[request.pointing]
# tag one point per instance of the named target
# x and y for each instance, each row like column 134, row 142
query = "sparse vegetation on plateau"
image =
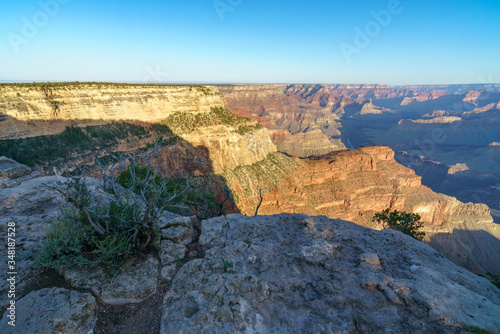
column 48, row 87
column 46, row 151
column 94, row 83
column 260, row 176
column 243, row 129
column 181, row 122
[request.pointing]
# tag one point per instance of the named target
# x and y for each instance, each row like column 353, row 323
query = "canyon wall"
column 446, row 125
column 214, row 141
column 298, row 116
column 213, row 150
column 33, row 111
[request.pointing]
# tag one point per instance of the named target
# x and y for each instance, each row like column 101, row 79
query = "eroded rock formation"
column 203, row 148
column 302, row 113
column 444, row 125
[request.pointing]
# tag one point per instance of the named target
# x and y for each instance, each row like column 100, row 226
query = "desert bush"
column 197, row 200
column 106, row 231
column 243, row 129
column 408, row 223
column 475, row 329
column 165, row 142
column 67, row 243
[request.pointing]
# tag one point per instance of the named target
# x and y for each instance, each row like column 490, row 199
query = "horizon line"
column 207, row 83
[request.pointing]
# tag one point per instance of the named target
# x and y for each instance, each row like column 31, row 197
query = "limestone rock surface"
column 53, row 310
column 293, row 273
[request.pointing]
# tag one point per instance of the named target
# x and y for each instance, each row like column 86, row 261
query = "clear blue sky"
column 257, row 41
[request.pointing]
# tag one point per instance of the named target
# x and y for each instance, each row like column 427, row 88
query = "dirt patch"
column 45, row 278
column 138, row 318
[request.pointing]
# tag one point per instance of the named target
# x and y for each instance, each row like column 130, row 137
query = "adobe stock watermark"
column 427, row 146
column 223, row 6
column 11, row 273
column 486, row 81
column 155, row 75
column 31, row 27
column 363, row 37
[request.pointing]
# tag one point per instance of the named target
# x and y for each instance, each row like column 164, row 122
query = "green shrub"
column 495, row 279
column 135, row 175
column 68, row 242
column 134, row 178
column 408, row 223
column 73, row 241
column 107, row 230
column 475, row 329
column 160, row 128
column 110, row 248
column 163, row 142
column 243, row 129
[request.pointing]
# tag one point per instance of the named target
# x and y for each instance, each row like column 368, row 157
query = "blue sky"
column 243, row 41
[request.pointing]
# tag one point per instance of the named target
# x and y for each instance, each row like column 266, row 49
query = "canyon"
column 243, row 152
column 28, row 111
column 34, row 111
column 430, row 128
column 307, row 157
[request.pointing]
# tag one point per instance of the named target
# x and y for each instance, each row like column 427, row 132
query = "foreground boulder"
column 54, row 310
column 32, row 206
column 298, row 274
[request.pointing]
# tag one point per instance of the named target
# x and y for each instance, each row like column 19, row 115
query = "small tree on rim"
column 406, row 222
